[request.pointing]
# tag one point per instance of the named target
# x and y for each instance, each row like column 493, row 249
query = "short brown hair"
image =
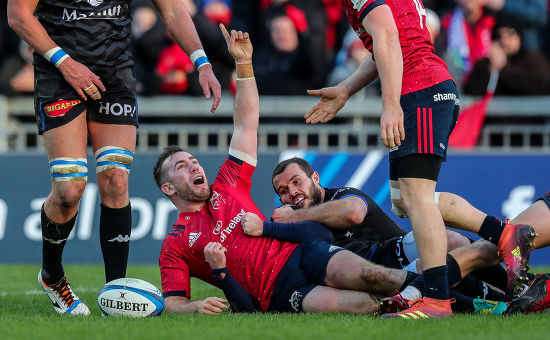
column 160, row 177
column 302, row 163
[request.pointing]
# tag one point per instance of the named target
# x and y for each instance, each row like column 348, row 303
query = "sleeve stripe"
column 175, row 293
column 369, row 8
column 363, row 198
column 242, row 156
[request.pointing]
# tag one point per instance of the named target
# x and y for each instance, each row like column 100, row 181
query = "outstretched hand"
column 238, row 44
column 332, row 100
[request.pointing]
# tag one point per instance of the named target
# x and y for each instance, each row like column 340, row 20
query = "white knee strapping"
column 67, row 169
column 113, row 157
column 395, row 194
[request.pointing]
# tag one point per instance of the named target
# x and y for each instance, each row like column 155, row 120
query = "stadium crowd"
column 305, row 44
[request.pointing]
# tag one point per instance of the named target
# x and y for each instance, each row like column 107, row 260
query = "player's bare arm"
column 181, row 27
column 181, row 304
column 247, row 103
column 380, row 25
column 333, row 98
column 21, row 19
column 341, row 213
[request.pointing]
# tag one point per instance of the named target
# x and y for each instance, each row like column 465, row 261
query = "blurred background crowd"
column 306, row 44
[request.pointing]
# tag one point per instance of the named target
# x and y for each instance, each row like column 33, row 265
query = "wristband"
column 199, row 58
column 56, row 56
column 245, row 71
column 218, row 273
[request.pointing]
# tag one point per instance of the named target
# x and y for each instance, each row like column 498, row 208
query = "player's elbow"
column 356, row 212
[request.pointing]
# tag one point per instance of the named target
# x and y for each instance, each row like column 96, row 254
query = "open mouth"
column 198, row 181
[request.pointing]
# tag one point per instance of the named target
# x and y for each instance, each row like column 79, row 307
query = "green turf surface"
column 26, row 313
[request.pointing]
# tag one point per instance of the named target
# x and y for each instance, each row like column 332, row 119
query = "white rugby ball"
column 130, row 297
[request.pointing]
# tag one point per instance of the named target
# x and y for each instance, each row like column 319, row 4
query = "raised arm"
column 244, row 140
column 181, row 27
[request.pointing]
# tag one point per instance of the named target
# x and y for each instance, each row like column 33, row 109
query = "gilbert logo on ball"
column 130, row 297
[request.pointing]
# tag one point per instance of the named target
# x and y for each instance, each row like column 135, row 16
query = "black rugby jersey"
column 92, row 32
column 376, row 226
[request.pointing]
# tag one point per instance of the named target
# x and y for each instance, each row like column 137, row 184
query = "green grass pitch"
column 26, row 313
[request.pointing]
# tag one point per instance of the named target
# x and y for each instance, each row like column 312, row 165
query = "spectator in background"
column 533, row 15
column 433, row 24
column 439, row 6
column 217, row 11
column 465, row 37
column 287, row 64
column 17, row 72
column 521, row 71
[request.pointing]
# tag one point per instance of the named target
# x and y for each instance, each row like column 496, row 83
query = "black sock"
column 491, row 229
column 462, row 304
column 475, row 288
column 54, row 238
column 454, row 274
column 436, row 285
column 115, row 226
column 494, row 275
column 415, row 280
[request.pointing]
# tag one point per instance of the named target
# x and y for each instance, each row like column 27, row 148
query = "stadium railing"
column 512, row 124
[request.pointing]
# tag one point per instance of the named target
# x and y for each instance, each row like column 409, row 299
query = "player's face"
column 187, row 177
column 294, row 187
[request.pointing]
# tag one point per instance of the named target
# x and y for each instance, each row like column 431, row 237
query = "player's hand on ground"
column 282, row 214
column 84, row 82
column 214, row 252
column 213, row 305
column 252, row 224
column 210, row 86
column 238, row 44
column 392, row 130
column 332, row 100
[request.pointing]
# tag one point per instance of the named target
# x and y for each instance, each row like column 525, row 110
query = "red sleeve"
column 235, row 173
column 174, row 271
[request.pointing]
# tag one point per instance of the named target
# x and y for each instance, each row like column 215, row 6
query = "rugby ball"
column 130, row 297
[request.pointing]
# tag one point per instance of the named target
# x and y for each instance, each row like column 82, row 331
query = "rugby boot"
column 534, row 300
column 515, row 246
column 393, row 304
column 425, row 308
column 482, row 306
column 63, row 298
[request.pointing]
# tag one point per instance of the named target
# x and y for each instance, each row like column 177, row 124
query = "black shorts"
column 389, row 253
column 56, row 103
column 546, row 199
column 430, row 116
column 305, row 269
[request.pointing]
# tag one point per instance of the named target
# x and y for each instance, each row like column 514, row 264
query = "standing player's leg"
column 114, row 147
column 66, row 149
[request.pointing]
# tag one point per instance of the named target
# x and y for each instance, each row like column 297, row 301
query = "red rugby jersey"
column 254, row 262
column 421, row 67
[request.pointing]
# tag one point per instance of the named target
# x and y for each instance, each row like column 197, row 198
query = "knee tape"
column 65, row 169
column 395, row 194
column 113, row 157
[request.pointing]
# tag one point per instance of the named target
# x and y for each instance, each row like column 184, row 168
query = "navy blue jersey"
column 376, row 226
column 92, row 32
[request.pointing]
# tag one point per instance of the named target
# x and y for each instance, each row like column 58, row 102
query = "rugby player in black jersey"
column 85, row 86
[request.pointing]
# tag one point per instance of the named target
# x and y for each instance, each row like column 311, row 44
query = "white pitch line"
column 40, row 291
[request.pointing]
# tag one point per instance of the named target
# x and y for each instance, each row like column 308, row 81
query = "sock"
column 413, row 277
column 491, row 229
column 454, row 274
column 474, row 287
column 436, row 285
column 462, row 304
column 54, row 238
column 115, row 226
column 494, row 275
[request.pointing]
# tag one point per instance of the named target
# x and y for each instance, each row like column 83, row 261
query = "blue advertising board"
column 500, row 185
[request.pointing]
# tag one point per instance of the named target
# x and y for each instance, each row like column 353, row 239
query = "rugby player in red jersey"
column 419, row 110
column 255, row 273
